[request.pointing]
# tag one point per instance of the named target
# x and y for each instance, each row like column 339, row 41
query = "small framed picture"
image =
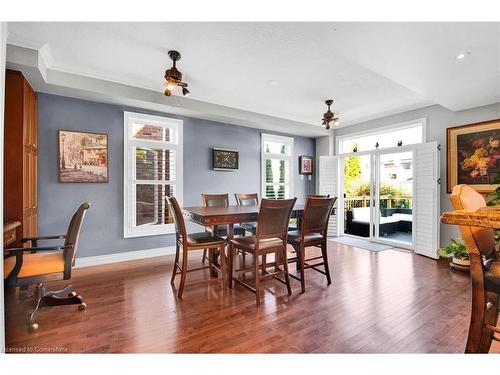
column 305, row 165
column 83, row 156
column 474, row 155
column 224, row 159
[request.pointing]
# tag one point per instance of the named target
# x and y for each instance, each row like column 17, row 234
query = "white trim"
column 175, row 144
column 123, row 257
column 3, row 38
column 289, row 142
column 383, row 129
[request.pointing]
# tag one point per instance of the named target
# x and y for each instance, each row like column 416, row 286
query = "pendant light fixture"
column 173, row 77
column 329, row 116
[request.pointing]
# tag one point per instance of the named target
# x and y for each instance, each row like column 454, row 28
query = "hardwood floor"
column 379, row 302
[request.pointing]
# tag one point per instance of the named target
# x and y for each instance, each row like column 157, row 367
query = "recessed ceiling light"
column 462, row 56
column 272, row 82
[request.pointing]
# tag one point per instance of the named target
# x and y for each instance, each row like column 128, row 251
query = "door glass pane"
column 275, row 147
column 396, row 196
column 154, row 164
column 357, row 195
column 150, row 205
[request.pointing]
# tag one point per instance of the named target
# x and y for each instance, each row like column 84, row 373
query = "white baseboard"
column 123, row 257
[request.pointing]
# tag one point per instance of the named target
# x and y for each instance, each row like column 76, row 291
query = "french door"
column 388, row 196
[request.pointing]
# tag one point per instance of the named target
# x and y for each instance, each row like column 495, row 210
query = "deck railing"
column 386, row 201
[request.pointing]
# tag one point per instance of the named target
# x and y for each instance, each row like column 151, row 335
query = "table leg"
column 230, row 235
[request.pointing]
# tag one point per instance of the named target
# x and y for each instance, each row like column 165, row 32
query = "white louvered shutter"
column 426, row 203
column 328, row 184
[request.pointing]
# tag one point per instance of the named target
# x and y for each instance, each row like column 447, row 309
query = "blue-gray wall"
column 102, row 232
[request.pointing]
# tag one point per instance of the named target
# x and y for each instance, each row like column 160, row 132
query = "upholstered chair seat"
column 294, row 236
column 36, row 264
column 204, row 238
column 248, row 243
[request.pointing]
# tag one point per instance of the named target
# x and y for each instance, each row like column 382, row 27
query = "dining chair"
column 319, row 195
column 313, row 233
column 271, row 237
column 245, row 199
column 190, row 242
column 219, row 200
column 484, row 273
column 38, row 264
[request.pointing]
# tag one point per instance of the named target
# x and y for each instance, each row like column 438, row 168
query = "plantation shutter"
column 328, row 184
column 426, row 205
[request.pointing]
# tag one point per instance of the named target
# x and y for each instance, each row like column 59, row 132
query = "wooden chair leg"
column 301, row 254
column 264, row 261
column 324, row 252
column 231, row 264
column 490, row 318
column 257, row 280
column 223, row 264
column 287, row 277
column 478, row 306
column 176, row 262
column 204, row 256
column 183, row 272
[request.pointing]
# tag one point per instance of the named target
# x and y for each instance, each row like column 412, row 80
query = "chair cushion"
column 294, row 236
column 204, row 238
column 248, row 243
column 35, row 264
column 492, row 275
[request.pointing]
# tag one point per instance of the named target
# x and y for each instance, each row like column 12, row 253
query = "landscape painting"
column 83, row 156
column 474, row 155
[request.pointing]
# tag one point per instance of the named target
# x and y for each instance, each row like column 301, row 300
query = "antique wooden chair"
column 271, row 237
column 313, row 233
column 195, row 241
column 219, row 200
column 484, row 273
column 244, row 199
column 46, row 263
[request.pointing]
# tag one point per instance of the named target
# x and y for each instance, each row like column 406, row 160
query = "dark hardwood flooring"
column 379, row 302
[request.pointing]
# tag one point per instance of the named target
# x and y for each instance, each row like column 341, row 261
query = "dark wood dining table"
column 231, row 215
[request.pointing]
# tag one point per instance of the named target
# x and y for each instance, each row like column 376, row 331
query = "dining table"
column 231, row 215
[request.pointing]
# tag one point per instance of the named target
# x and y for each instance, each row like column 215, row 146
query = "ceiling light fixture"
column 173, row 77
column 462, row 56
column 329, row 116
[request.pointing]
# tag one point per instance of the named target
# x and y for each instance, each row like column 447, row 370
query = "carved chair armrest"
column 31, row 249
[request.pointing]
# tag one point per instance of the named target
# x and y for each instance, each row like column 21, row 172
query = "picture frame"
column 306, row 165
column 224, row 159
column 82, row 157
column 473, row 155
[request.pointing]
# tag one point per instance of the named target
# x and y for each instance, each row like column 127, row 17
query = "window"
column 152, row 172
column 276, row 167
column 387, row 137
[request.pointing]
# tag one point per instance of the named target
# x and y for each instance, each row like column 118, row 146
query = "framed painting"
column 83, row 156
column 224, row 159
column 305, row 165
column 473, row 155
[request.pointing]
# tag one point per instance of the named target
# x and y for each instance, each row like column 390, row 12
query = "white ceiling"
column 370, row 69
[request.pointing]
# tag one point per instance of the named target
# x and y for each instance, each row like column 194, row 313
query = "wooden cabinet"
column 21, row 154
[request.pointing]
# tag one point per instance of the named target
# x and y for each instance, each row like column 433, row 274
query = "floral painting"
column 474, row 155
column 305, row 165
column 83, row 157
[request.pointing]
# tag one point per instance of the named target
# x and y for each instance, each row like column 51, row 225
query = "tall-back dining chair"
column 485, row 275
column 313, row 233
column 196, row 241
column 319, row 195
column 248, row 199
column 271, row 237
column 219, row 200
column 38, row 264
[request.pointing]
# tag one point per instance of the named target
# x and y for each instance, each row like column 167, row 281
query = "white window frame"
column 288, row 141
column 176, row 144
column 380, row 130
